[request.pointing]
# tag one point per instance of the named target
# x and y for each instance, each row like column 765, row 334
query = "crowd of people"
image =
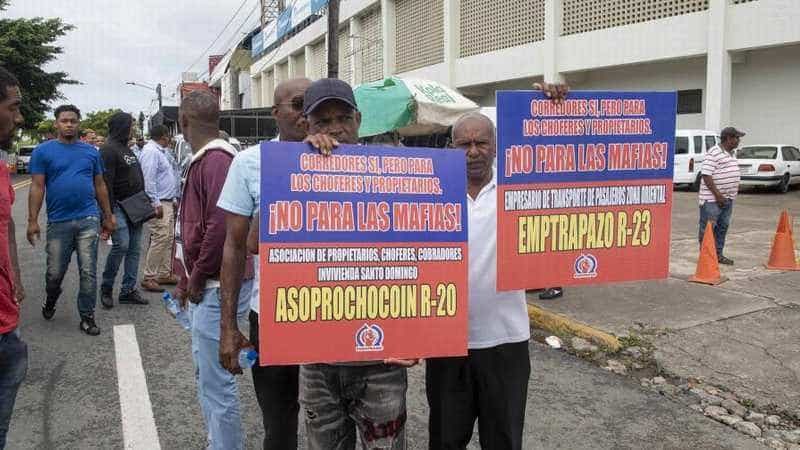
column 202, row 221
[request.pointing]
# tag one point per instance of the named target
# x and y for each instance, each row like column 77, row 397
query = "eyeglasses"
column 296, row 103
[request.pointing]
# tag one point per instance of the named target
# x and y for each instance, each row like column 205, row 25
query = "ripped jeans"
column 338, row 400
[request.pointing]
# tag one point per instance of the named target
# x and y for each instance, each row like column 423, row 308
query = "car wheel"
column 783, row 187
column 696, row 185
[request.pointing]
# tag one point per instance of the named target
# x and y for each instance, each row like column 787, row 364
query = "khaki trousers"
column 162, row 236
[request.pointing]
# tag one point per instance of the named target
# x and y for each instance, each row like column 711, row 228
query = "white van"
column 690, row 151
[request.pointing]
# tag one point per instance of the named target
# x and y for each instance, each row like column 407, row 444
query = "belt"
column 166, row 200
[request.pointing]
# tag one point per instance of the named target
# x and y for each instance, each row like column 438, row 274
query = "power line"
column 236, row 35
column 200, row 57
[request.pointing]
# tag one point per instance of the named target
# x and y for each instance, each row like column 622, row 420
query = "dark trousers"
column 13, row 367
column 276, row 390
column 490, row 385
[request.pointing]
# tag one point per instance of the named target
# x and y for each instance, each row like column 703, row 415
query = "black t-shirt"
column 123, row 174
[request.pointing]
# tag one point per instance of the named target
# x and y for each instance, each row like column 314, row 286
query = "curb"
column 557, row 323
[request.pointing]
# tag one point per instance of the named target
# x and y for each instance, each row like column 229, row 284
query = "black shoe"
column 724, row 260
column 48, row 309
column 107, row 298
column 88, row 326
column 551, row 293
column 132, row 298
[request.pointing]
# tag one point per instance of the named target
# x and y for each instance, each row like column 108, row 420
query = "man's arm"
column 707, row 171
column 109, row 172
column 233, row 264
column 101, row 193
column 252, row 236
column 19, row 290
column 35, row 199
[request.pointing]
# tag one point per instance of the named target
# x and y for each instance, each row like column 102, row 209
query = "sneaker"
column 48, row 309
column 107, row 298
column 551, row 293
column 724, row 260
column 152, row 286
column 88, row 326
column 132, row 298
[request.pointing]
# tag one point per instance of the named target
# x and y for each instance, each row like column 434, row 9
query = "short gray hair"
column 473, row 116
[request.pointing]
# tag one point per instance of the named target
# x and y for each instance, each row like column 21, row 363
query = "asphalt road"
column 71, row 399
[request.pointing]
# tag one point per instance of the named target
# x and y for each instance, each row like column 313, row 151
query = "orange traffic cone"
column 781, row 257
column 707, row 265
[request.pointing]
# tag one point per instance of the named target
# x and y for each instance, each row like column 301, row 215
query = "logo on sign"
column 369, row 338
column 585, row 266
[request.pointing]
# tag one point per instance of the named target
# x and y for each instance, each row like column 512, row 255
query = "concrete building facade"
column 731, row 61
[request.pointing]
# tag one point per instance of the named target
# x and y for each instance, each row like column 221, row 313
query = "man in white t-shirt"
column 491, row 383
column 721, row 177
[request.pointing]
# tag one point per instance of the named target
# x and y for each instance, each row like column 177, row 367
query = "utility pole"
column 141, row 124
column 158, row 91
column 333, row 39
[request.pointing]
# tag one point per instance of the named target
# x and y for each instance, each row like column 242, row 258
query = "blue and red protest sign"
column 363, row 254
column 585, row 187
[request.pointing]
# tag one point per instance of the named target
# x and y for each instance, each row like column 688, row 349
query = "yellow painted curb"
column 557, row 323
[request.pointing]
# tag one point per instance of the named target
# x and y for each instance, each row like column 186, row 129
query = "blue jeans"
column 63, row 238
column 709, row 211
column 127, row 239
column 13, row 367
column 216, row 387
column 340, row 401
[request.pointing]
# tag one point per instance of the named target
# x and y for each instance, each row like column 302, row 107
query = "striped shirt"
column 724, row 169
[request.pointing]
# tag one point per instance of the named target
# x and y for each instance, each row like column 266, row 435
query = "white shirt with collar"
column 495, row 318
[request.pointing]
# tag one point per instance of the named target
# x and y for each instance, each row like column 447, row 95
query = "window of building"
column 690, row 101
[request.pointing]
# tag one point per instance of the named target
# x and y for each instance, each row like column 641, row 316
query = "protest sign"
column 362, row 254
column 584, row 187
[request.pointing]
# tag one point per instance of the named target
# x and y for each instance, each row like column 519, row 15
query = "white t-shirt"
column 241, row 195
column 495, row 318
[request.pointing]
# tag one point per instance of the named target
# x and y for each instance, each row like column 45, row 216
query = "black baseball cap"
column 730, row 132
column 328, row 89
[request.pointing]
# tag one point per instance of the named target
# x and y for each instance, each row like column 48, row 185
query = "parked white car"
column 24, row 158
column 690, row 151
column 774, row 165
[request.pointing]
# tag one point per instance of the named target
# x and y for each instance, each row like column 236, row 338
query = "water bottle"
column 247, row 358
column 176, row 311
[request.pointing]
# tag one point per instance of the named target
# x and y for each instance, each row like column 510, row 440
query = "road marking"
column 138, row 425
column 22, row 184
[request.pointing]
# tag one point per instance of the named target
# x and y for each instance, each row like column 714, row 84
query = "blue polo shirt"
column 69, row 171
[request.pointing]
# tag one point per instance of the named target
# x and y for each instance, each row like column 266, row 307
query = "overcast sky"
column 145, row 41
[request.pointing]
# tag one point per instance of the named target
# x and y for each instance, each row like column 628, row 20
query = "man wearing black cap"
column 721, row 177
column 370, row 395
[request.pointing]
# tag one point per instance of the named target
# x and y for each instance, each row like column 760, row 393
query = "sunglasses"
column 296, row 103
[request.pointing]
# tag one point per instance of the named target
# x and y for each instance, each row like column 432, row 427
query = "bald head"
column 288, row 109
column 201, row 107
column 474, row 134
column 475, row 119
column 286, row 90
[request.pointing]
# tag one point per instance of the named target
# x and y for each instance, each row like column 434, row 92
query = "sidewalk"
column 742, row 335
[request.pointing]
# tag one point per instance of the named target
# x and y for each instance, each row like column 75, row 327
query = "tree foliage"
column 26, row 46
column 98, row 121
